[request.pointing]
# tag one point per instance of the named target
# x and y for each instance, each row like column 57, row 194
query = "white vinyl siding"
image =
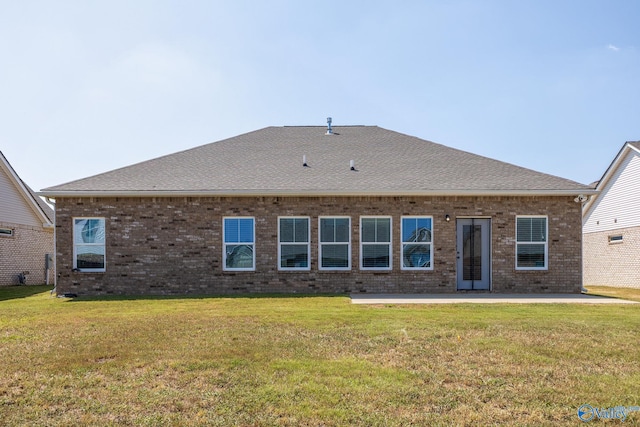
column 531, row 242
column 15, row 208
column 375, row 243
column 294, row 245
column 618, row 205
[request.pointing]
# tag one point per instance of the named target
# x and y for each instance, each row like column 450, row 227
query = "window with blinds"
column 531, row 243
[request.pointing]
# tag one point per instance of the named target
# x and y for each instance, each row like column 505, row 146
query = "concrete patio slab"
column 484, row 299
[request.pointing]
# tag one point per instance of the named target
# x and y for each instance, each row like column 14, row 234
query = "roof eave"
column 311, row 193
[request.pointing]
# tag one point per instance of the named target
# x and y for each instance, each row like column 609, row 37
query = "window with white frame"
column 293, row 243
column 89, row 244
column 239, row 243
column 616, row 238
column 531, row 243
column 334, row 243
column 417, row 241
column 375, row 243
column 6, row 232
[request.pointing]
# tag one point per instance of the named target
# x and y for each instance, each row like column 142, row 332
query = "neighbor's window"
column 239, row 244
column 335, row 243
column 531, row 243
column 294, row 244
column 417, row 253
column 375, row 243
column 6, row 232
column 615, row 239
column 89, row 244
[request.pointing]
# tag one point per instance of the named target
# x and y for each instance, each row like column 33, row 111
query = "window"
column 239, row 244
column 335, row 243
column 531, row 243
column 6, row 232
column 615, row 239
column 417, row 253
column 89, row 244
column 375, row 243
column 294, row 245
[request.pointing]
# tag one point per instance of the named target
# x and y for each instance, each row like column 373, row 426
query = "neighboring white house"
column 26, row 232
column 611, row 224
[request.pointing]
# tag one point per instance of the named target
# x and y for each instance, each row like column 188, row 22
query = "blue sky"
column 90, row 86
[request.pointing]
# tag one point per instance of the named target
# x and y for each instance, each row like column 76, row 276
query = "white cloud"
column 613, row 48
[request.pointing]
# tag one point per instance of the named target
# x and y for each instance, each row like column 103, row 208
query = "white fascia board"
column 314, row 193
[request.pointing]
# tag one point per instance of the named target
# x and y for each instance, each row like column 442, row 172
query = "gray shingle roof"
column 269, row 161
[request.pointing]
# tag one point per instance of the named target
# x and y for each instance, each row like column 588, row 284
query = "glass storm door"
column 474, row 253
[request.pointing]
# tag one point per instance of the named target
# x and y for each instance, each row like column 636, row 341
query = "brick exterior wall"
column 24, row 252
column 173, row 246
column 612, row 264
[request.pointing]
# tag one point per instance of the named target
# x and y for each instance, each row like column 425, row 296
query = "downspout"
column 55, row 247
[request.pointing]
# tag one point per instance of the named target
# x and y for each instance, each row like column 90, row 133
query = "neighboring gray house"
column 321, row 210
column 611, row 224
column 26, row 232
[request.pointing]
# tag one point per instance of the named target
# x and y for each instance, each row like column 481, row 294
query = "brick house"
column 310, row 209
column 611, row 224
column 26, row 232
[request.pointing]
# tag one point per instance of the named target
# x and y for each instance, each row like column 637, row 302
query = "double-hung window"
column 417, row 243
column 335, row 243
column 293, row 243
column 239, row 243
column 375, row 243
column 89, row 244
column 531, row 243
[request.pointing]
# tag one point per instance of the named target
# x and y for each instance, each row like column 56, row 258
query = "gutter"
column 55, row 248
column 312, row 193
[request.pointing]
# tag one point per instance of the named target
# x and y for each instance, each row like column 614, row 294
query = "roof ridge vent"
column 329, row 130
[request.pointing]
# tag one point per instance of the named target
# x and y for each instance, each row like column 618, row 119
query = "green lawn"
column 607, row 291
column 321, row 361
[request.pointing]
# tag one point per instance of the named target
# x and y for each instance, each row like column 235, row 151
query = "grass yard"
column 320, row 361
column 607, row 291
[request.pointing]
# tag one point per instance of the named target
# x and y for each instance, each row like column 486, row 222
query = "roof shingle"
column 269, row 161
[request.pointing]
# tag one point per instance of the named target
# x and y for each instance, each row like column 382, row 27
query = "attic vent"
column 329, row 130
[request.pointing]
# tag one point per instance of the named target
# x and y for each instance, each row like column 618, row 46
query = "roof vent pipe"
column 352, row 165
column 304, row 161
column 329, row 130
